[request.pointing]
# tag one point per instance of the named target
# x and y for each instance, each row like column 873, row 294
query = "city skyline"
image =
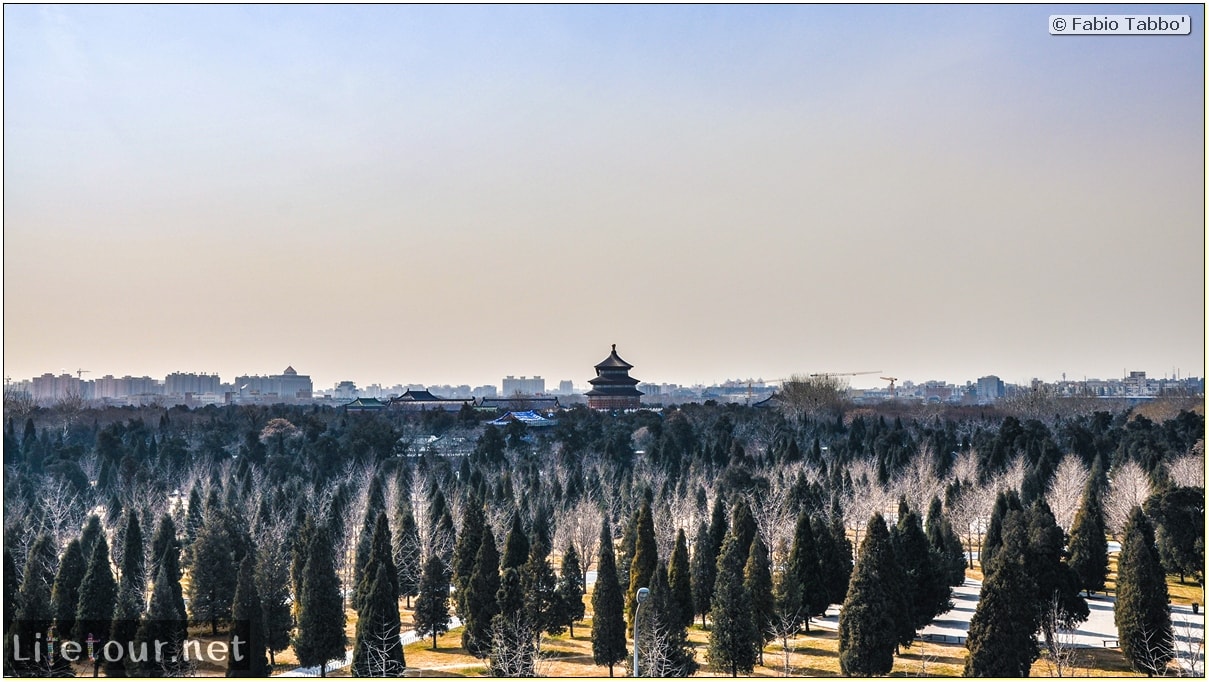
column 437, row 194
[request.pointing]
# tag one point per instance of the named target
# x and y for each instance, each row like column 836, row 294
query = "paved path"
column 407, row 637
column 1099, row 630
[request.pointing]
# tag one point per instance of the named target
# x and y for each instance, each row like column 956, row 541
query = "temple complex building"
column 613, row 387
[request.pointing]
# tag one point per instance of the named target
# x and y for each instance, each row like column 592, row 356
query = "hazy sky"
column 450, row 194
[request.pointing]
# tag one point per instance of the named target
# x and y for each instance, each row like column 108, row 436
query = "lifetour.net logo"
column 48, row 650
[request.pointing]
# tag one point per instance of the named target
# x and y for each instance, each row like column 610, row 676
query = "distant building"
column 989, row 389
column 566, row 387
column 613, row 388
column 524, row 386
column 486, row 391
column 365, row 405
column 417, row 400
column 520, row 403
column 527, row 418
column 288, row 386
column 180, row 383
column 345, row 390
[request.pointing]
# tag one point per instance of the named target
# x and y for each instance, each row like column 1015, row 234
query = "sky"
column 451, row 194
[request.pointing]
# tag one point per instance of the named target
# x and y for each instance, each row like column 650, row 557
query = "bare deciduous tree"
column 1188, row 470
column 1128, row 487
column 1066, row 490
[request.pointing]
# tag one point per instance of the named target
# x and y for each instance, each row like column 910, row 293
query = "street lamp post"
column 643, row 593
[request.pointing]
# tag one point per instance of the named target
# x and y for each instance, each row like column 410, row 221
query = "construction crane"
column 843, row 374
column 891, row 380
column 81, row 372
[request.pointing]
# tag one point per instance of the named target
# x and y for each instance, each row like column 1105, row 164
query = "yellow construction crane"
column 891, row 380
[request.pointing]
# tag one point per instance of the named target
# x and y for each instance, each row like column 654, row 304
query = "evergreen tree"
column 1058, row 604
column 757, row 580
column 321, row 614
column 680, row 583
column 1005, row 501
column 608, row 624
column 378, row 649
column 513, row 652
column 480, row 599
column 835, row 561
column 432, row 606
column 165, row 624
column 380, row 553
column 732, row 640
column 212, row 580
column 1142, row 615
column 925, row 591
column 664, row 649
column 569, row 595
column 625, row 554
column 704, row 573
column 65, row 594
column 88, row 538
column 642, row 566
column 802, row 593
column 98, row 597
column 1001, row 638
column 35, row 615
column 743, row 525
column 873, row 608
column 131, row 589
column 946, row 546
column 407, row 556
column 473, row 524
column 1178, row 514
column 299, row 551
column 134, row 563
column 539, row 582
column 516, row 545
column 272, row 581
column 248, row 660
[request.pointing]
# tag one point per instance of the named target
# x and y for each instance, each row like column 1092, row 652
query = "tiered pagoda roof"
column 613, row 387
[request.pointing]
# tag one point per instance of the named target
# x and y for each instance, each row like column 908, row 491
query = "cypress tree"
column 1001, row 638
column 732, row 640
column 432, row 606
column 646, row 558
column 1005, row 501
column 516, row 545
column 380, row 552
column 272, row 581
column 480, row 599
column 802, row 593
column 321, row 619
column 212, row 580
column 134, row 564
column 165, row 624
column 35, row 615
column 464, row 555
column 757, row 580
column 363, row 573
column 743, row 525
column 513, row 633
column 407, row 556
column 65, row 594
column 873, row 608
column 569, row 595
column 625, row 554
column 680, row 583
column 1057, row 583
column 925, row 592
column 946, row 545
column 539, row 582
column 88, row 538
column 299, row 551
column 131, row 590
column 704, row 573
column 377, row 649
column 1142, row 616
column 98, row 597
column 835, row 561
column 608, row 625
column 248, row 660
column 664, row 650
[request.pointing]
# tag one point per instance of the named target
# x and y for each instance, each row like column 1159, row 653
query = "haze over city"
column 451, row 194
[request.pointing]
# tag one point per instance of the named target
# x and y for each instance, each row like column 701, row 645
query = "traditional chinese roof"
column 614, row 361
column 366, row 404
column 529, row 418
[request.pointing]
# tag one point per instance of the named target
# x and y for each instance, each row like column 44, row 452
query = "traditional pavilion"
column 613, row 387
